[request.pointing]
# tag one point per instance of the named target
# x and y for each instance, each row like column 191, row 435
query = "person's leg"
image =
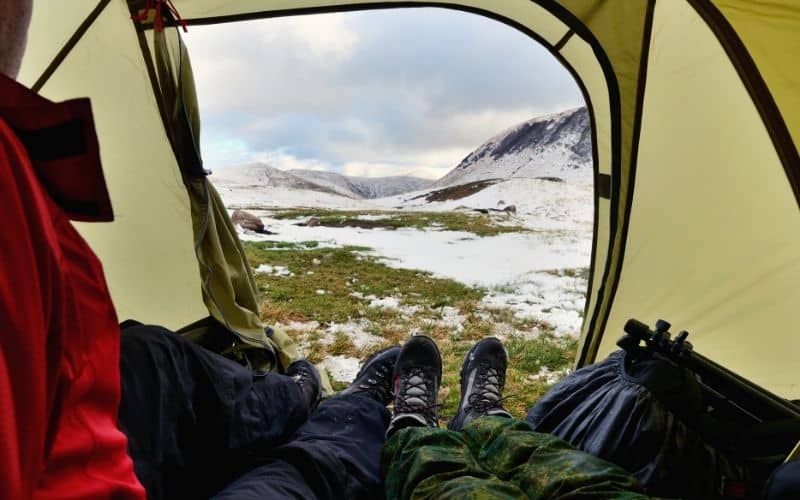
column 427, row 462
column 542, row 465
column 421, row 460
column 335, row 455
column 194, row 418
column 492, row 456
column 497, row 457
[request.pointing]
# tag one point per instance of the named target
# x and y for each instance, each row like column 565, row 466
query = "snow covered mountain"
column 556, row 145
column 260, row 175
column 364, row 187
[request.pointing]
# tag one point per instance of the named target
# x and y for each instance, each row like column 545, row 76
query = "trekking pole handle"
column 638, row 330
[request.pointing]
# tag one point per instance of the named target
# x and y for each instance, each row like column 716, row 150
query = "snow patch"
column 554, row 299
column 355, row 331
column 301, row 326
column 548, row 376
column 374, row 217
column 341, row 368
column 385, row 302
column 449, row 317
column 273, row 270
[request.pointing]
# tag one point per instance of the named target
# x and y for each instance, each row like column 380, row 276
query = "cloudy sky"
column 368, row 93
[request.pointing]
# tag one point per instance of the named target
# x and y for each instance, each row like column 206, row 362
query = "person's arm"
column 27, row 267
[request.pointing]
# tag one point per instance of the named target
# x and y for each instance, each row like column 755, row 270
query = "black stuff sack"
column 647, row 416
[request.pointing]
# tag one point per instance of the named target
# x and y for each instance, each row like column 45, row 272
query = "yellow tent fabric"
column 695, row 116
column 147, row 253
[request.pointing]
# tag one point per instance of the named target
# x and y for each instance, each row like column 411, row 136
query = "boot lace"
column 379, row 383
column 487, row 394
column 425, row 405
column 302, row 375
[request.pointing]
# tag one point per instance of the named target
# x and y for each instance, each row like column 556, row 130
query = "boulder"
column 511, row 209
column 247, row 221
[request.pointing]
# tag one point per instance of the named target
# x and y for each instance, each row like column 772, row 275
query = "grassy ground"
column 472, row 222
column 336, row 285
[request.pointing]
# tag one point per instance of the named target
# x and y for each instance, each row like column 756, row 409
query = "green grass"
column 577, row 272
column 507, row 316
column 342, row 272
column 350, row 274
column 528, row 357
column 475, row 223
column 505, row 288
column 341, row 345
column 287, row 245
column 338, row 386
column 545, row 350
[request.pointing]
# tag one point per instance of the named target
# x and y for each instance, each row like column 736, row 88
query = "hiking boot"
column 483, row 375
column 307, row 377
column 374, row 380
column 417, row 375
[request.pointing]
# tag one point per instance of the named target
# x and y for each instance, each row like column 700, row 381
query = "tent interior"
column 695, row 120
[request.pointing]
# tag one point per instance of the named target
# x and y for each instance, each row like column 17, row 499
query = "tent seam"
column 595, row 332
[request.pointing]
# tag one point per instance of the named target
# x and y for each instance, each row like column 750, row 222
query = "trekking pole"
column 755, row 400
column 794, row 454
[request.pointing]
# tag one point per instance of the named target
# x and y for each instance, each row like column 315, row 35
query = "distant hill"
column 364, row 187
column 261, row 175
column 558, row 145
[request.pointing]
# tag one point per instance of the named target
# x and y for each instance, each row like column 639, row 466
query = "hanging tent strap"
column 158, row 19
column 228, row 287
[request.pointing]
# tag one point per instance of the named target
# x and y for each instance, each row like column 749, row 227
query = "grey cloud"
column 412, row 81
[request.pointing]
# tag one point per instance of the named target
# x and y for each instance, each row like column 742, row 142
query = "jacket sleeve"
column 28, row 349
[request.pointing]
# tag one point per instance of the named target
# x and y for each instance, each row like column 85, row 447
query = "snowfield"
column 277, row 197
column 532, row 273
column 541, row 204
column 462, row 256
column 560, row 216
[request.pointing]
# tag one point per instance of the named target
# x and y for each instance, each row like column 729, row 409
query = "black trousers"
column 201, row 426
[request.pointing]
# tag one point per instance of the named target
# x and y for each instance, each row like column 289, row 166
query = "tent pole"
column 67, row 48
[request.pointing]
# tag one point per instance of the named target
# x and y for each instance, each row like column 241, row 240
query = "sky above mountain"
column 368, row 93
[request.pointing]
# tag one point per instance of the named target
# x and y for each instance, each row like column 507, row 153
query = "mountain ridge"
column 261, row 175
column 556, row 145
column 366, row 187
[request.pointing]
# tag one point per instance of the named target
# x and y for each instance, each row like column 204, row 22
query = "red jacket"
column 59, row 337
